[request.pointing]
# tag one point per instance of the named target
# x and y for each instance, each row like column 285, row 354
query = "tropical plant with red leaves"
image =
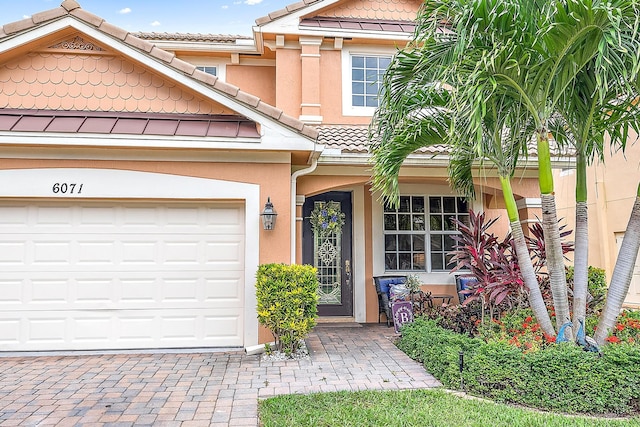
column 495, row 263
column 536, row 245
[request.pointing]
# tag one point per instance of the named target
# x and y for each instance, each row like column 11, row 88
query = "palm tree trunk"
column 555, row 262
column 553, row 244
column 581, row 253
column 536, row 301
column 622, row 274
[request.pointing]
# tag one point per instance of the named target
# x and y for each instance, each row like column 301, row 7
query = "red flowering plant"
column 627, row 329
column 517, row 328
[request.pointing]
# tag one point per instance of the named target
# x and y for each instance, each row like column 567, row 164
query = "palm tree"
column 533, row 53
column 422, row 104
column 622, row 273
column 587, row 117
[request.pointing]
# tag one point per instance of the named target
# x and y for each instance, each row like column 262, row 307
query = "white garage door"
column 99, row 276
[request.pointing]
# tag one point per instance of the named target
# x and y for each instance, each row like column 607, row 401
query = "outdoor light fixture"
column 268, row 215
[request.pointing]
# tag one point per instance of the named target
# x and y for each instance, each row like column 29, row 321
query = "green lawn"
column 422, row 408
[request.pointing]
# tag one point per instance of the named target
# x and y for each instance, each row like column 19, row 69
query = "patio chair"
column 464, row 282
column 383, row 289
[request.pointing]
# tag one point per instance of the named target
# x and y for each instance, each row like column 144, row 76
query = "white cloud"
column 237, row 2
column 124, row 11
column 26, row 16
column 225, row 7
column 252, row 2
column 155, row 24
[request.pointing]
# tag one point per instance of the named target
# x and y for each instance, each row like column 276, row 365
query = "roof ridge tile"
column 16, row 26
column 113, row 30
column 47, row 15
column 70, row 5
column 141, row 44
column 88, row 17
column 294, row 7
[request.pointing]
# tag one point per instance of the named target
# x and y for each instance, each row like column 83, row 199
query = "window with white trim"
column 362, row 72
column 209, row 69
column 418, row 235
column 366, row 79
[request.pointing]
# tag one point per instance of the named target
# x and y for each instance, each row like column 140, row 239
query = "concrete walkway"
column 196, row 389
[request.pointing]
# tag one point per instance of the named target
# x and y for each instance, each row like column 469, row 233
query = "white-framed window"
column 418, row 235
column 213, row 66
column 209, row 69
column 362, row 72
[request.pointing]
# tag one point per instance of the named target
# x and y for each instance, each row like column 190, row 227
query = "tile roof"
column 71, row 8
column 285, row 11
column 190, row 37
column 355, row 139
column 197, row 125
column 359, row 24
column 402, row 10
column 396, row 10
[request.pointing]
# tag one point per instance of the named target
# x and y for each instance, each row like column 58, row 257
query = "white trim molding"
column 85, row 184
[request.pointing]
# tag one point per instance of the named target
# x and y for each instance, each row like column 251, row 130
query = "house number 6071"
column 66, row 188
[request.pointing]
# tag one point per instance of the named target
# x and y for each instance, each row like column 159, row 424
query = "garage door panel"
column 142, row 291
column 74, row 330
column 14, row 253
column 136, row 276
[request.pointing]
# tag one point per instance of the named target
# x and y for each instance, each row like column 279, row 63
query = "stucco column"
column 310, row 63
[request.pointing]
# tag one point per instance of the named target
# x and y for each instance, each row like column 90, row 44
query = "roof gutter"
column 294, row 187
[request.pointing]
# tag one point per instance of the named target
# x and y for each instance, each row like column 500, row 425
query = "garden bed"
column 556, row 377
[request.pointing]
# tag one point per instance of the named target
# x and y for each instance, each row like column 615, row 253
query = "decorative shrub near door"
column 287, row 303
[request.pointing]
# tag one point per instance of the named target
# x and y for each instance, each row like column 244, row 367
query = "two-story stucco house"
column 135, row 168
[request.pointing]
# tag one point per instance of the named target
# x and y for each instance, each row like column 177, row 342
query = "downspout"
column 294, row 186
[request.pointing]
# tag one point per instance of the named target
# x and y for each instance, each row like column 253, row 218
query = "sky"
column 234, row 17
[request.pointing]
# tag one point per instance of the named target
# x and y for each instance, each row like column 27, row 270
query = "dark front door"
column 326, row 245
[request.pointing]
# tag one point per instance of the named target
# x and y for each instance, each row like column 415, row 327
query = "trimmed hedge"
column 287, row 302
column 561, row 378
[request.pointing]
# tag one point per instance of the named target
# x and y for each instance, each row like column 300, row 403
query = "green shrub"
column 287, row 303
column 597, row 287
column 560, row 377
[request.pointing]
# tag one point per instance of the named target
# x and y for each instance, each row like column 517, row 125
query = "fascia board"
column 178, row 46
column 159, row 155
column 288, row 24
column 270, row 128
column 148, row 141
column 346, row 34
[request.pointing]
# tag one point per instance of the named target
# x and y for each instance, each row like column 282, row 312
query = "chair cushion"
column 465, row 281
column 386, row 282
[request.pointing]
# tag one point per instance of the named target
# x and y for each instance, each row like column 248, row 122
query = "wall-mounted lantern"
column 269, row 215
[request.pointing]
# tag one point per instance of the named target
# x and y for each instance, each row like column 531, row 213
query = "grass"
column 432, row 408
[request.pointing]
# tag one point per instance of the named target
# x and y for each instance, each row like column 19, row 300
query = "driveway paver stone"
column 196, row 389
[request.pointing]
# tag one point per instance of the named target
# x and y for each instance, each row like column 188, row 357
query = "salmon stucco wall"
column 612, row 187
column 256, row 80
column 273, row 179
column 288, row 81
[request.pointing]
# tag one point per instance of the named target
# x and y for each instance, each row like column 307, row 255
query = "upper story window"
column 362, row 73
column 209, row 69
column 418, row 235
column 366, row 79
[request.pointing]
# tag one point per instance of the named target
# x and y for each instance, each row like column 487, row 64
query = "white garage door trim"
column 68, row 184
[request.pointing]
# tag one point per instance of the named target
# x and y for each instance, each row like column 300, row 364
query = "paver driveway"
column 200, row 389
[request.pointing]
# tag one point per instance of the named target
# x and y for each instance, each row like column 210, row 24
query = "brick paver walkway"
column 195, row 389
